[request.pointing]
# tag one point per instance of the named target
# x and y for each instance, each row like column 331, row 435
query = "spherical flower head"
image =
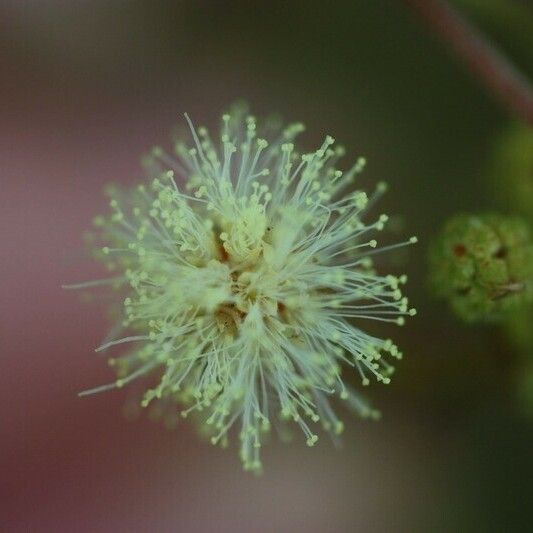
column 247, row 272
column 483, row 264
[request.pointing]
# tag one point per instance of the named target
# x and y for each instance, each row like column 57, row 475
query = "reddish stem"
column 483, row 59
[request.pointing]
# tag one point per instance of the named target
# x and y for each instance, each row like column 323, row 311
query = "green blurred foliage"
column 511, row 170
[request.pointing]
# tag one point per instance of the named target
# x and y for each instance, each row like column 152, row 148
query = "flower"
column 246, row 287
column 483, row 264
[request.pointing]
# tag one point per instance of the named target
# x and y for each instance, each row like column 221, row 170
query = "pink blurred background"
column 76, row 464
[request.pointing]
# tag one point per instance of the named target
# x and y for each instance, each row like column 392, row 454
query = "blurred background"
column 86, row 88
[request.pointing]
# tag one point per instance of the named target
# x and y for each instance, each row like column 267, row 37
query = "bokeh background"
column 86, row 88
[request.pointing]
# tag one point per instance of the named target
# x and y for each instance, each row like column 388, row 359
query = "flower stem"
column 494, row 70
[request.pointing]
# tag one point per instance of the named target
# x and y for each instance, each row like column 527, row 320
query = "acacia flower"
column 245, row 288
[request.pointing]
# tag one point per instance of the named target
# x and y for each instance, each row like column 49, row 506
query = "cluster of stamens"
column 246, row 287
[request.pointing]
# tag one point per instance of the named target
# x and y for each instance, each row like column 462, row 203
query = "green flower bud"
column 483, row 264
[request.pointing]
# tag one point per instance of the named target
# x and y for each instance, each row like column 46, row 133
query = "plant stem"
column 484, row 60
